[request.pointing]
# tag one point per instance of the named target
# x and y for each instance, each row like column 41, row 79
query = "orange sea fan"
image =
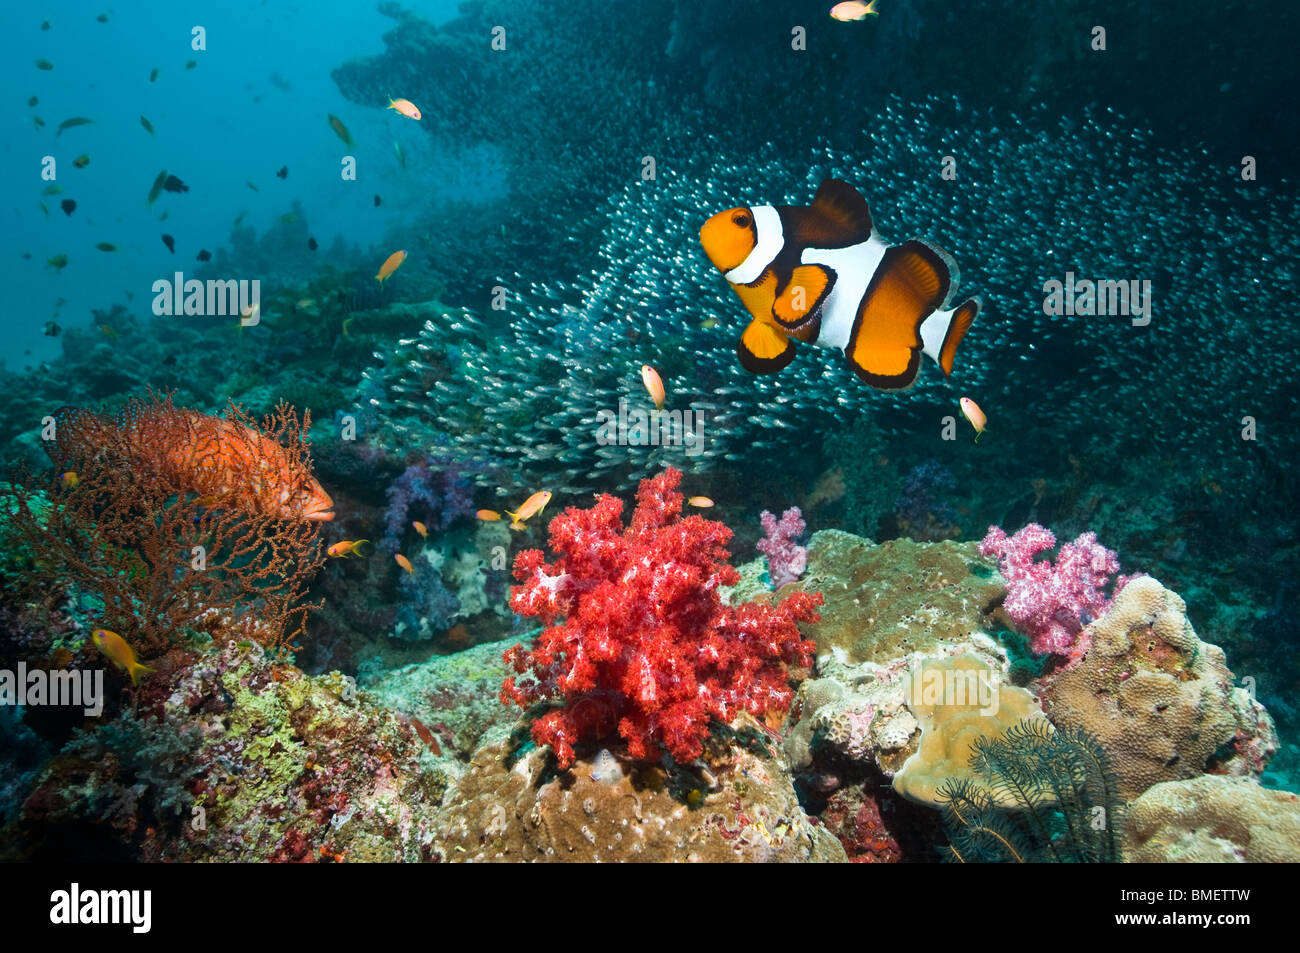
column 173, row 513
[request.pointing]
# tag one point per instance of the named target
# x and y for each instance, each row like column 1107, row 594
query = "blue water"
column 257, row 100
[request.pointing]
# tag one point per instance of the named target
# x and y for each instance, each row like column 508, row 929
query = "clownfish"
column 822, row 275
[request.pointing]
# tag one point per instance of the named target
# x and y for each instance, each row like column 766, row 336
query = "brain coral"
column 1160, row 700
column 1213, row 819
column 950, row 724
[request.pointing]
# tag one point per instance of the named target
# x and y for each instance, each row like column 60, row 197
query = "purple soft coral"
column 438, row 489
column 1050, row 601
column 786, row 559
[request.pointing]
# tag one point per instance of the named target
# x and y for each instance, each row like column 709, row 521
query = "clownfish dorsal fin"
column 843, row 206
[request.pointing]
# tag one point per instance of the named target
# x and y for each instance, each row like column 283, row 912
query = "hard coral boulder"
column 885, row 600
column 1213, row 819
column 887, row 606
column 1161, row 702
column 605, row 809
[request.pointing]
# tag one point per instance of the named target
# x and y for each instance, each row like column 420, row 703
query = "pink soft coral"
column 1052, row 602
column 638, row 639
column 786, row 559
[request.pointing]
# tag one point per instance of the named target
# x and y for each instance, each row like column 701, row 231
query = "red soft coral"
column 638, row 639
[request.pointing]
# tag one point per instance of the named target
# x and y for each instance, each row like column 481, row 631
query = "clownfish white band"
column 771, row 238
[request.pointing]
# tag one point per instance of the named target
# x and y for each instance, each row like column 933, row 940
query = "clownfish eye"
column 741, row 219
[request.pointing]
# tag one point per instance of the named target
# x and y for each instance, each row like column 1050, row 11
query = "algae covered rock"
column 456, row 696
column 886, row 600
column 1161, row 702
column 230, row 755
column 1213, row 819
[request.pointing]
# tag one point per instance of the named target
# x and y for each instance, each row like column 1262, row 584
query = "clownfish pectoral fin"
column 885, row 344
column 764, row 349
column 942, row 331
column 804, row 294
column 840, row 209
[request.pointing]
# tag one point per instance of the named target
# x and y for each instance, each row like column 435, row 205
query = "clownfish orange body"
column 821, row 274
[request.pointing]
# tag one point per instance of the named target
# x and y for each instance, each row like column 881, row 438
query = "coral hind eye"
column 741, row 219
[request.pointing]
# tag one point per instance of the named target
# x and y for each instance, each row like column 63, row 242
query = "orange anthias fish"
column 390, row 265
column 851, row 10
column 421, row 529
column 405, row 107
column 119, row 653
column 654, row 385
column 976, row 416
column 218, row 459
column 701, row 501
column 532, row 506
column 405, row 563
column 488, row 516
column 346, row 547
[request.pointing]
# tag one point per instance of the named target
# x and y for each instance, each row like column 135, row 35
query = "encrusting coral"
column 958, row 701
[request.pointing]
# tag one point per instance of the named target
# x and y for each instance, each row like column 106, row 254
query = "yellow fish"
column 390, row 265
column 119, row 653
column 532, row 506
column 70, row 479
column 405, row 107
column 346, row 547
column 701, row 501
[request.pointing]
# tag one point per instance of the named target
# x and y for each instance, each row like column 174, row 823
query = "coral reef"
column 1213, row 819
column 888, row 607
column 456, row 696
column 1161, row 702
column 883, row 601
column 231, row 755
column 434, row 490
column 645, row 645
